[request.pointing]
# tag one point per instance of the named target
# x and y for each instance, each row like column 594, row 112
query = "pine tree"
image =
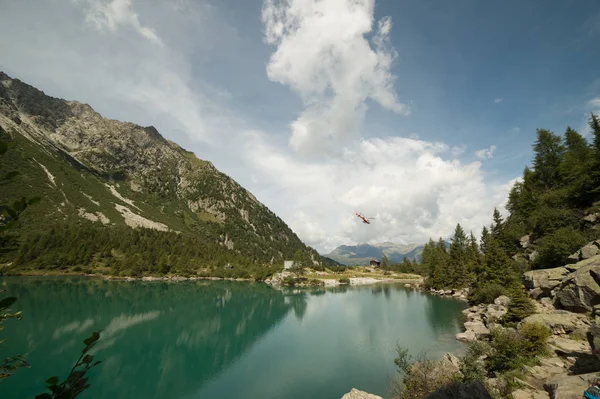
column 548, row 153
column 497, row 225
column 595, row 126
column 384, row 262
column 484, row 239
column 457, row 265
column 474, row 266
column 497, row 266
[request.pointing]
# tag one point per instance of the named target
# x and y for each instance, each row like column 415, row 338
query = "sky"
column 419, row 113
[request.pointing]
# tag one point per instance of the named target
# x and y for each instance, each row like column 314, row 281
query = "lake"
column 220, row 339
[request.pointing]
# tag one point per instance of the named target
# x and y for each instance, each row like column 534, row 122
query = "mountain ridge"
column 361, row 254
column 88, row 168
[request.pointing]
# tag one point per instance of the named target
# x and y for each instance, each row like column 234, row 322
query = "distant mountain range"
column 351, row 255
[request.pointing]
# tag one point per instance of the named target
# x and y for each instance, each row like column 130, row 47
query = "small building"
column 287, row 264
column 375, row 263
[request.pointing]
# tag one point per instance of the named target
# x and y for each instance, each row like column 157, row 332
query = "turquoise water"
column 217, row 339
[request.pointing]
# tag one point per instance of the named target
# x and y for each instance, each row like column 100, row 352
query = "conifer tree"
column 548, row 153
column 457, row 262
column 384, row 262
column 497, row 265
column 484, row 239
column 595, row 126
column 473, row 258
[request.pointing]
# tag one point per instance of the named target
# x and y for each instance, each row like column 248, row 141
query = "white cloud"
column 497, row 100
column 323, row 55
column 413, row 188
column 485, row 153
column 594, row 105
column 110, row 14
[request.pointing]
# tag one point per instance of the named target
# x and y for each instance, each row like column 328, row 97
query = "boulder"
column 569, row 345
column 536, row 293
column 356, row 394
column 502, row 300
column 494, row 314
column 467, row 336
column 524, row 241
column 478, row 328
column 589, row 250
column 560, row 322
column 452, row 360
column 545, row 279
column 580, row 291
column 471, row 390
column 592, row 217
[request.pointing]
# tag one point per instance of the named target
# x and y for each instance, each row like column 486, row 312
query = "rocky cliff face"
column 89, row 167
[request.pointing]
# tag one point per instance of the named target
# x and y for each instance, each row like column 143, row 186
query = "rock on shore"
column 356, row 394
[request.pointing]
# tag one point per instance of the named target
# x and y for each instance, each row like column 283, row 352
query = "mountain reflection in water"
column 208, row 339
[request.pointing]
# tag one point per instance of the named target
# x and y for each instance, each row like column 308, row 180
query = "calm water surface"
column 219, row 339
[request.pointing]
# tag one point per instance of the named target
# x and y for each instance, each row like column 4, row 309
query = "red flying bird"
column 364, row 218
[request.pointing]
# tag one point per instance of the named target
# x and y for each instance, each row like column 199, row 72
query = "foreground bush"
column 520, row 307
column 511, row 349
column 421, row 376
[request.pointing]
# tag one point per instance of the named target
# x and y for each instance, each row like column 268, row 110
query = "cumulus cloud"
column 485, row 153
column 110, row 14
column 416, row 189
column 323, row 55
column 413, row 187
column 497, row 100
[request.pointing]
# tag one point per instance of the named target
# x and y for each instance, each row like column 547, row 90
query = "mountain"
column 109, row 176
column 362, row 254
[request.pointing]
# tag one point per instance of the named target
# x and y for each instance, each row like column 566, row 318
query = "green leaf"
column 6, row 302
column 93, row 338
column 52, row 380
column 87, row 359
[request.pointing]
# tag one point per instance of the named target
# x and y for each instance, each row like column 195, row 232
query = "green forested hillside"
column 552, row 213
column 119, row 198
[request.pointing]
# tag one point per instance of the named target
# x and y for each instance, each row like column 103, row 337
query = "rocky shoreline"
column 565, row 301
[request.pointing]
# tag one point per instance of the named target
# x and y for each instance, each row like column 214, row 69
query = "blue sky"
column 381, row 108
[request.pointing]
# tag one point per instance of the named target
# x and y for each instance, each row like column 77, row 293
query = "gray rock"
column 536, row 293
column 493, row 314
column 356, row 394
column 592, row 218
column 581, row 288
column 545, row 279
column 573, row 258
column 467, row 336
column 588, row 251
column 560, row 322
column 524, row 241
column 547, row 302
column 502, row 300
column 478, row 328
